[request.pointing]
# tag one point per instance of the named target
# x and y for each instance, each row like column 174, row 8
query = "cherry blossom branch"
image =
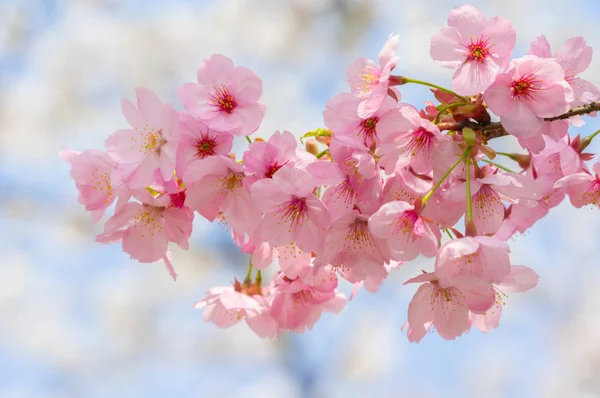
column 495, row 129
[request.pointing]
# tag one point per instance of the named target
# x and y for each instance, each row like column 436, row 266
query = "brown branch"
column 495, row 129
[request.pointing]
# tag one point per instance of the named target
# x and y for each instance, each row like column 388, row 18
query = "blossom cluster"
column 375, row 188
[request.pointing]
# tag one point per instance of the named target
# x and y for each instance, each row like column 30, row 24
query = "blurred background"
column 78, row 319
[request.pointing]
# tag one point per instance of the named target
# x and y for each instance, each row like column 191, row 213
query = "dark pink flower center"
column 420, row 141
column 367, row 130
column 177, row 199
column 478, row 49
column 345, row 192
column 359, row 239
column 525, row 87
column 592, row 193
column 405, row 223
column 272, row 169
column 205, row 146
column 293, row 212
column 222, row 99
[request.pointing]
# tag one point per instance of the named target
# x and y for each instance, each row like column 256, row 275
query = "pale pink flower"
column 293, row 213
column 574, row 57
column 519, row 280
column 478, row 47
column 341, row 117
column 226, row 306
column 263, row 159
column 406, row 233
column 147, row 228
column 99, row 184
column 349, row 244
column 480, row 256
column 405, row 186
column 199, row 142
column 530, row 90
column 410, row 143
column 261, row 253
column 219, row 188
column 298, row 305
column 150, row 145
column 583, row 188
column 353, row 176
column 558, row 159
column 446, row 307
column 225, row 97
column 371, row 83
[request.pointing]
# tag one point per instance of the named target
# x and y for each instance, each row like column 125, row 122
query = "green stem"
column 443, row 110
column 468, row 176
column 249, row 140
column 498, row 165
column 449, row 234
column 258, row 278
column 249, row 274
column 322, row 153
column 437, row 185
column 424, row 83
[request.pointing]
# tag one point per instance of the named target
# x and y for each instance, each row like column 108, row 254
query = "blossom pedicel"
column 383, row 183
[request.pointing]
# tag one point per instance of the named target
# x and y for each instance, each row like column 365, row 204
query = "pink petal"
column 520, row 279
column 446, row 48
column 468, row 20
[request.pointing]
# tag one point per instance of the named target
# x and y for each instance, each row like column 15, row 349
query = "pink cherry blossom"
column 531, row 89
column 226, row 306
column 261, row 253
column 583, row 188
column 225, row 97
column 97, row 180
column 219, row 188
column 446, row 307
column 293, row 213
column 369, row 82
column 480, row 256
column 298, row 305
column 406, row 233
column 341, row 117
column 147, row 228
column 405, row 186
column 520, row 279
column 263, row 159
column 478, row 47
column 150, row 145
column 574, row 57
column 349, row 244
column 199, row 142
column 411, row 143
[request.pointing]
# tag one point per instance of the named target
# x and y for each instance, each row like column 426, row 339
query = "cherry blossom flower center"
column 222, row 99
column 367, row 130
column 359, row 239
column 420, row 141
column 293, row 212
column 369, row 78
column 525, row 87
column 272, row 169
column 177, row 199
column 405, row 223
column 345, row 191
column 478, row 50
column 205, row 146
column 152, row 141
column 445, row 298
column 233, row 181
column 592, row 193
column 101, row 181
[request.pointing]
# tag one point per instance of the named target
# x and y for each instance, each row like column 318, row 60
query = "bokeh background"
column 78, row 319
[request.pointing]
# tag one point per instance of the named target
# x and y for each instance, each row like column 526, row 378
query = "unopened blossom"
column 446, row 307
column 341, row 117
column 298, row 304
column 519, row 280
column 410, row 143
column 369, row 82
column 478, row 47
column 218, row 188
column 146, row 228
column 350, row 244
column 405, row 232
column 99, row 184
column 263, row 159
column 530, row 90
column 150, row 144
column 481, row 256
column 198, row 141
column 226, row 306
column 583, row 188
column 574, row 57
column 225, row 97
column 293, row 213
